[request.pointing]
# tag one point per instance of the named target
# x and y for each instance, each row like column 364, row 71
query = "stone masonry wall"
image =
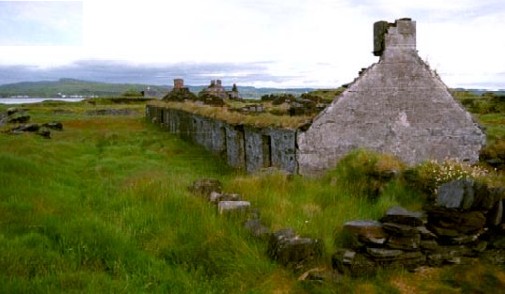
column 396, row 106
column 245, row 147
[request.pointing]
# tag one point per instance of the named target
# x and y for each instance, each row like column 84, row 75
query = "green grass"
column 103, row 207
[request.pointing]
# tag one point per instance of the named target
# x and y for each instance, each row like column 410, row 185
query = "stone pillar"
column 178, row 83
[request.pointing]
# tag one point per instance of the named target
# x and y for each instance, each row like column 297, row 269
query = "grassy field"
column 103, row 207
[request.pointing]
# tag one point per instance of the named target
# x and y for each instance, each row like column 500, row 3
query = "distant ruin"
column 396, row 106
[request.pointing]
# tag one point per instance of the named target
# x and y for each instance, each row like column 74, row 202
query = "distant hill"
column 71, row 87
column 88, row 88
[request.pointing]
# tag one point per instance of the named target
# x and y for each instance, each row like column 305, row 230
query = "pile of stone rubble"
column 20, row 118
column 466, row 221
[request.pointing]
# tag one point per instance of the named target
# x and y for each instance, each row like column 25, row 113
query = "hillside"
column 71, row 87
column 89, row 88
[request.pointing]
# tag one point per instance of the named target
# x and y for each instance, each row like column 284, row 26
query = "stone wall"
column 396, row 106
column 242, row 146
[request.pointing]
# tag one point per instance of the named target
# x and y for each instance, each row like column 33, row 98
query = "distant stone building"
column 397, row 106
column 179, row 92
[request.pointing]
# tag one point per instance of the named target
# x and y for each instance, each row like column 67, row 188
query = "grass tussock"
column 234, row 117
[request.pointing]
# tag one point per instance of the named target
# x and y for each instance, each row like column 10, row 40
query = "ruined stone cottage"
column 397, row 105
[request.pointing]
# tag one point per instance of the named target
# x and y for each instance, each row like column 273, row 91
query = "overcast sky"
column 279, row 43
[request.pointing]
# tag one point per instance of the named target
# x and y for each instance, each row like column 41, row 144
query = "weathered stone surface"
column 233, row 207
column 289, row 249
column 410, row 243
column 204, row 187
column 403, row 216
column 400, row 230
column 487, row 196
column 366, row 231
column 456, row 194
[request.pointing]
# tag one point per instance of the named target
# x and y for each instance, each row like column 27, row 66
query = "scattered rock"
column 204, row 187
column 12, row 110
column 233, row 207
column 18, row 118
column 55, row 125
column 26, row 128
column 289, row 249
column 216, row 197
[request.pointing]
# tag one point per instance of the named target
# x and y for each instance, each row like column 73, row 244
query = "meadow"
column 103, row 207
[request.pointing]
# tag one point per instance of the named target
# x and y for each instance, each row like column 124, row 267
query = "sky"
column 274, row 43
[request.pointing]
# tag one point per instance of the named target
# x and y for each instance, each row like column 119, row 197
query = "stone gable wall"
column 396, row 106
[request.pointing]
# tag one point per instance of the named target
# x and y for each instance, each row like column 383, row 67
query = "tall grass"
column 103, row 207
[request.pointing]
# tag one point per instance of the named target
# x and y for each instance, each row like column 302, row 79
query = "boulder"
column 204, row 187
column 289, row 249
column 55, row 125
column 18, row 118
column 366, row 231
column 458, row 194
column 29, row 128
column 403, row 216
column 12, row 110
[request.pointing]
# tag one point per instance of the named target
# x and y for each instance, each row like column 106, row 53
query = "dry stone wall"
column 242, row 146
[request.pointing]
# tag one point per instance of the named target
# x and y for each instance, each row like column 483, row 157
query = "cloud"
column 123, row 72
column 28, row 23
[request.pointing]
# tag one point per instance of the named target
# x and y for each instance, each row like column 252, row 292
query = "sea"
column 35, row 100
